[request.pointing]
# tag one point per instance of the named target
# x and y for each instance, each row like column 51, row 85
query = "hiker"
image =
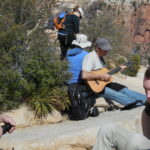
column 113, row 136
column 79, row 108
column 7, row 120
column 112, row 91
column 71, row 28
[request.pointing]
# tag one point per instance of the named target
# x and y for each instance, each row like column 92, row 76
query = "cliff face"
column 137, row 20
column 141, row 30
column 136, row 17
column 141, row 25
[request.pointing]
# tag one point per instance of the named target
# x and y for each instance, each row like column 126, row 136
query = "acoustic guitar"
column 98, row 85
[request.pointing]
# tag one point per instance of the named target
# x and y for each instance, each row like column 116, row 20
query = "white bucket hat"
column 81, row 40
column 81, row 12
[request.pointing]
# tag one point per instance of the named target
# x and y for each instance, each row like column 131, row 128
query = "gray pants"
column 112, row 136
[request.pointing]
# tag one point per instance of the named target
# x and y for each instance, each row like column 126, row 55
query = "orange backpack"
column 59, row 20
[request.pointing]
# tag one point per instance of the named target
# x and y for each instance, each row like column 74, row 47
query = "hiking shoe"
column 94, row 111
column 132, row 105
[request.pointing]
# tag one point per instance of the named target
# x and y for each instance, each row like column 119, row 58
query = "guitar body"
column 98, row 85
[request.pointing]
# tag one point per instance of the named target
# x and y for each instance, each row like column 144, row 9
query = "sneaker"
column 94, row 111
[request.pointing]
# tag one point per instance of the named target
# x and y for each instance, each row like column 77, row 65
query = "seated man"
column 112, row 91
column 113, row 136
column 81, row 101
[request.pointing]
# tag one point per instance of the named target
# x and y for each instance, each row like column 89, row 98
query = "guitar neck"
column 114, row 71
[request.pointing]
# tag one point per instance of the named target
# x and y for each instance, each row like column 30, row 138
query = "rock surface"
column 25, row 118
column 69, row 135
column 73, row 135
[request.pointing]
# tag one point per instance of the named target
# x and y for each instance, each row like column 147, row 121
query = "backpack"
column 82, row 100
column 59, row 20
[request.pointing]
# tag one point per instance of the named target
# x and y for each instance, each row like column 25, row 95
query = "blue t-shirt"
column 75, row 57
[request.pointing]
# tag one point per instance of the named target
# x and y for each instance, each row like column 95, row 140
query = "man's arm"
column 91, row 76
column 7, row 120
column 146, row 124
column 87, row 66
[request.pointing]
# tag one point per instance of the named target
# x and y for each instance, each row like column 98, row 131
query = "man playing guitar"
column 111, row 91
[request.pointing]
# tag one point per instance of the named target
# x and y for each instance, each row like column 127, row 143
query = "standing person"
column 71, row 28
column 112, row 91
column 80, row 103
column 113, row 136
column 7, row 120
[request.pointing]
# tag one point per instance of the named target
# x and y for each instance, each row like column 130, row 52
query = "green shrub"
column 120, row 61
column 30, row 70
column 134, row 68
column 133, row 65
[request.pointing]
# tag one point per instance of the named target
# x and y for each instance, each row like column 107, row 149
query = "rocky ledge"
column 68, row 135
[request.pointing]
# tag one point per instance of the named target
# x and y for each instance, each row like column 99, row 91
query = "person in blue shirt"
column 75, row 57
column 82, row 101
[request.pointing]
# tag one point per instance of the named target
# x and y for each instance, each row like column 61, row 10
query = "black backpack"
column 81, row 99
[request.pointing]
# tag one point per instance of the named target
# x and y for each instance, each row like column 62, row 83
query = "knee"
column 135, row 141
column 107, row 129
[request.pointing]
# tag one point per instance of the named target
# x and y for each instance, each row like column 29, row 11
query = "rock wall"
column 142, row 24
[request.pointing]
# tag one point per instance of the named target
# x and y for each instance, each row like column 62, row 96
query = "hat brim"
column 106, row 47
column 82, row 45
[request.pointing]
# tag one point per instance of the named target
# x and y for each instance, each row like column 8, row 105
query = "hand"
column 7, row 119
column 105, row 77
column 123, row 67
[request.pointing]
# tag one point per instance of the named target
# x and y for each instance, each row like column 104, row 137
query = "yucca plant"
column 42, row 105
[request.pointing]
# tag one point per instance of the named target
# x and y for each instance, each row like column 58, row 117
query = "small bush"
column 134, row 65
column 30, row 70
column 134, row 68
column 121, row 60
